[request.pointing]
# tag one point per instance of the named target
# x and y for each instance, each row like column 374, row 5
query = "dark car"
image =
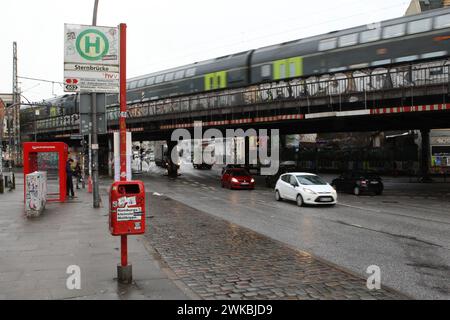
column 358, row 183
column 237, row 179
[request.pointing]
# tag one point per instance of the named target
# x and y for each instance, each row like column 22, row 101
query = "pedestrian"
column 78, row 175
column 69, row 182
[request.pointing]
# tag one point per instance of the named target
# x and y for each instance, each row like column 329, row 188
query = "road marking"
column 391, row 234
column 360, row 208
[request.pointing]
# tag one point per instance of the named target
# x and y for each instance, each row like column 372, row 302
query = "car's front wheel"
column 278, row 196
column 299, row 201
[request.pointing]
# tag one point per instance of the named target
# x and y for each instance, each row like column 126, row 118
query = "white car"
column 304, row 188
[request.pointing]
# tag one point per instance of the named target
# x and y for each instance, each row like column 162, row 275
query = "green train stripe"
column 216, row 80
column 288, row 68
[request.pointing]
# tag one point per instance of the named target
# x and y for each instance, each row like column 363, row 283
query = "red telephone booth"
column 30, row 163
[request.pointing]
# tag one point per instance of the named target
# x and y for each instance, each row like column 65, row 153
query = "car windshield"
column 311, row 181
column 239, row 172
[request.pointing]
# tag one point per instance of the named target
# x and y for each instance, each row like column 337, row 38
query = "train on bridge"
column 421, row 37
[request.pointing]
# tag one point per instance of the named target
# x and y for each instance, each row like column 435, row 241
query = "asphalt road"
column 406, row 231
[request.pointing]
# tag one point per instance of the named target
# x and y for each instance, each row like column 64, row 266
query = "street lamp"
column 36, row 114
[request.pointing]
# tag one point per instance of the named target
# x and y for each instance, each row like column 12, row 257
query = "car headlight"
column 309, row 191
column 252, row 181
column 234, row 180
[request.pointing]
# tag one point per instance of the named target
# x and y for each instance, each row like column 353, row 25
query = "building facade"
column 439, row 139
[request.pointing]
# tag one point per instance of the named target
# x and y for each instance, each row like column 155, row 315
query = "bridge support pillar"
column 425, row 156
column 172, row 167
column 247, row 152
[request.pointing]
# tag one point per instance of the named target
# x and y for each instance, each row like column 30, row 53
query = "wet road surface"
column 406, row 231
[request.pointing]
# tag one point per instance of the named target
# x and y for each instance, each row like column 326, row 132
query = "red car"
column 237, row 179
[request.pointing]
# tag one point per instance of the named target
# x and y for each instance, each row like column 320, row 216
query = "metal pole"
column 123, row 103
column 94, row 145
column 15, row 119
column 123, row 126
column 124, row 271
column 2, row 114
column 124, row 250
column 10, row 180
column 94, row 19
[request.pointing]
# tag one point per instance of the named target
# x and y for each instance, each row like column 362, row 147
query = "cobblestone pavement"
column 220, row 260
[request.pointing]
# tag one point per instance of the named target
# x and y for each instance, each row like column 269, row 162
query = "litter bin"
column 127, row 208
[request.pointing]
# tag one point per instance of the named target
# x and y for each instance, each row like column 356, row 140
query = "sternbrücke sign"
column 91, row 59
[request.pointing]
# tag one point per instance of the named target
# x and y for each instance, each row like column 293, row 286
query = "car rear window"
column 239, row 172
column 367, row 175
column 311, row 180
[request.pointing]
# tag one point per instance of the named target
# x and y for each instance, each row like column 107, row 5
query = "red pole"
column 124, row 251
column 123, row 126
column 123, row 102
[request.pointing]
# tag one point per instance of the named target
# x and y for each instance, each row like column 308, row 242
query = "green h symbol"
column 88, row 44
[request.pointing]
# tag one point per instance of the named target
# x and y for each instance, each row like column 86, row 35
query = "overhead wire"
column 309, row 26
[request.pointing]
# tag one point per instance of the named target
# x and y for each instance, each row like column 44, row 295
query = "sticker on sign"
column 129, row 214
column 71, row 85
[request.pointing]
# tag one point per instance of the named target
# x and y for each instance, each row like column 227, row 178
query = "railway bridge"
column 412, row 96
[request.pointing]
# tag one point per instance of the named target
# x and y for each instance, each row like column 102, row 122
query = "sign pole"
column 123, row 103
column 124, row 271
column 94, row 144
column 2, row 113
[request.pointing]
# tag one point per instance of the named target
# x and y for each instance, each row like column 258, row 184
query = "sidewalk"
column 35, row 254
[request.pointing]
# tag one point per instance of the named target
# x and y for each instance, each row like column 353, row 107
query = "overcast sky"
column 168, row 33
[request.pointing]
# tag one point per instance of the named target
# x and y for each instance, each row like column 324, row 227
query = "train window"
column 394, row 31
column 292, row 68
column 160, row 78
column 434, row 54
column 442, row 22
column 133, row 85
column 128, row 85
column 169, row 76
column 179, row 75
column 370, row 35
column 265, row 71
column 348, row 40
column 419, row 26
column 406, row 59
column 190, row 72
column 150, row 81
column 380, row 62
column 282, row 70
column 141, row 83
column 327, row 44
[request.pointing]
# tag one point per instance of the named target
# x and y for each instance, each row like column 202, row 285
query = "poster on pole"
column 117, row 156
column 91, row 59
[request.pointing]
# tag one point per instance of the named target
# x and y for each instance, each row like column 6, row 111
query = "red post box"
column 127, row 208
